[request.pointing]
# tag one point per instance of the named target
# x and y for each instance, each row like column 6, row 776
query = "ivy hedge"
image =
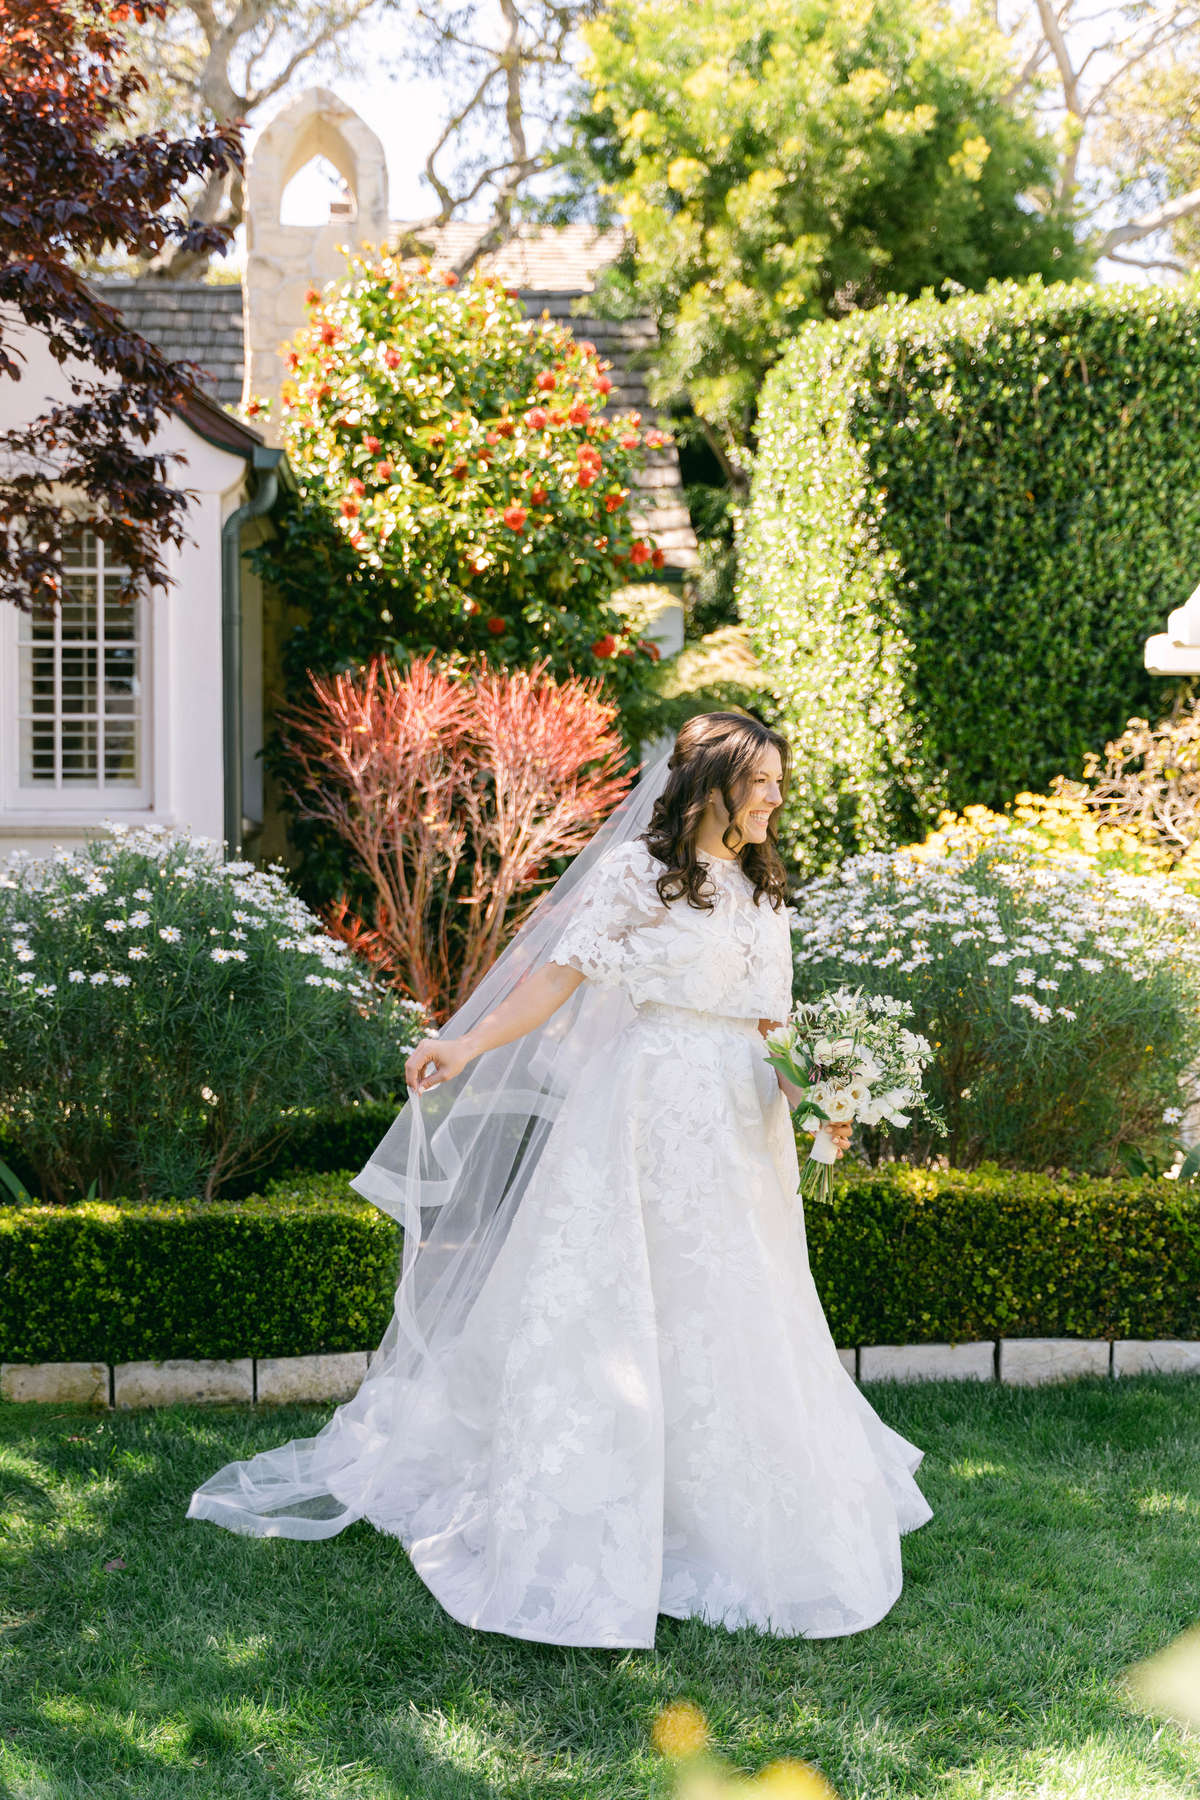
column 965, row 518
column 902, row 1256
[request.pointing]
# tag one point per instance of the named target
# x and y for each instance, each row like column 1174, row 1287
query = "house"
column 163, row 713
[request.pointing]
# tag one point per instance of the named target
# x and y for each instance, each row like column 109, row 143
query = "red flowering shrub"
column 456, row 466
column 454, row 795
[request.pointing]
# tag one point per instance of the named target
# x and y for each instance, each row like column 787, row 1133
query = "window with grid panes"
column 80, row 716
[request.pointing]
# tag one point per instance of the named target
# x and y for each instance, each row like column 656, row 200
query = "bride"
column 608, row 1389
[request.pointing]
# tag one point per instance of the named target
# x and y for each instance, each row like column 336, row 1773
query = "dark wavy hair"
column 714, row 750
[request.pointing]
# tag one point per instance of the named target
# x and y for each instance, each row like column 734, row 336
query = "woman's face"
column 762, row 795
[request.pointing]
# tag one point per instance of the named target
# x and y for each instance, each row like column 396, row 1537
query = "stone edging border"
column 247, row 1380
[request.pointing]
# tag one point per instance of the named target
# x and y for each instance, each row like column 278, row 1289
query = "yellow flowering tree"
column 778, row 164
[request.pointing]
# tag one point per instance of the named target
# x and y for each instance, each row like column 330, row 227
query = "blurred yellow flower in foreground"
column 1170, row 1681
column 680, row 1729
column 681, row 1732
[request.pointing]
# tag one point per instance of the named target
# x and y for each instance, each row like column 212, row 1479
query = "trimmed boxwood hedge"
column 303, row 1268
column 965, row 518
column 902, row 1256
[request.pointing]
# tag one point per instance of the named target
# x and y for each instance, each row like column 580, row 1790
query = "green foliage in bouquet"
column 165, row 1015
column 1062, row 1001
column 966, row 517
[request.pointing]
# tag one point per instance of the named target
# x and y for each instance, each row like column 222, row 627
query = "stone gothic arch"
column 282, row 261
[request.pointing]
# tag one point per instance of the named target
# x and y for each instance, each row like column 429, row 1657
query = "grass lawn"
column 1065, row 1544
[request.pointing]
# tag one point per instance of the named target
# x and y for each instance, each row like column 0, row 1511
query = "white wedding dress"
column 644, row 1411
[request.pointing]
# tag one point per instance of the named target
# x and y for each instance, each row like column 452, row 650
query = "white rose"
column 860, row 1093
column 840, row 1107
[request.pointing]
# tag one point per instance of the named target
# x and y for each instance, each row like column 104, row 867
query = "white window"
column 81, row 714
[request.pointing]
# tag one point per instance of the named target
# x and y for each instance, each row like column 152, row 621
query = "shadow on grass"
column 1064, row 1545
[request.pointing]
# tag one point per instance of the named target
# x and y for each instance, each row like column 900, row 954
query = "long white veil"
column 452, row 1168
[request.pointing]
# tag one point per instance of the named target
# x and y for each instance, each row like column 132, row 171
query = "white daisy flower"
column 143, row 894
column 1066, row 1012
column 26, row 975
column 1039, row 1011
column 1046, row 982
column 76, row 975
column 219, row 953
column 170, row 934
column 97, row 977
column 1172, row 1115
column 24, row 954
column 1092, row 964
column 47, row 987
column 121, row 980
column 138, row 953
column 141, row 917
column 1026, row 974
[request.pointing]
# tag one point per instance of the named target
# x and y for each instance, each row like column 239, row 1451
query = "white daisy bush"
column 164, row 1014
column 1061, row 1000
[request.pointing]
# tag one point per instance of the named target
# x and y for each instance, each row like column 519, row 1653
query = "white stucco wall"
column 182, row 662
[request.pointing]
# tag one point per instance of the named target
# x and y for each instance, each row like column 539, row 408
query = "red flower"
column 329, row 333
column 506, row 427
column 497, row 626
column 658, row 558
column 399, row 290
column 471, row 606
column 588, row 456
column 349, row 509
column 450, row 278
column 391, row 358
column 356, row 487
column 585, row 478
column 656, row 439
column 538, row 497
column 513, row 293
column 514, row 517
column 322, row 391
column 612, row 502
column 253, row 408
column 587, row 346
column 558, row 416
column 491, row 437
column 640, row 553
column 537, row 418
column 649, row 648
column 293, row 359
column 604, row 383
column 580, row 413
column 604, row 647
column 545, row 381
column 384, row 470
column 630, row 441
column 311, row 296
column 371, row 444
column 459, row 470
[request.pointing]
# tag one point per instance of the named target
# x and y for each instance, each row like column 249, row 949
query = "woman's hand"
column 840, row 1133
column 449, row 1057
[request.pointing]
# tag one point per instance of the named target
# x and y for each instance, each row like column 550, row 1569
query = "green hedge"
column 965, row 519
column 306, row 1267
column 902, row 1256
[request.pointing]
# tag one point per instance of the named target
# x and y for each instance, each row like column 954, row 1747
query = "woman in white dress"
column 609, row 1390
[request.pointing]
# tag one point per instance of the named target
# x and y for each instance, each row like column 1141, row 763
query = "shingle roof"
column 188, row 320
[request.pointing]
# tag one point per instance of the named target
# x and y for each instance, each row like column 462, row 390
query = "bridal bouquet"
column 854, row 1062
